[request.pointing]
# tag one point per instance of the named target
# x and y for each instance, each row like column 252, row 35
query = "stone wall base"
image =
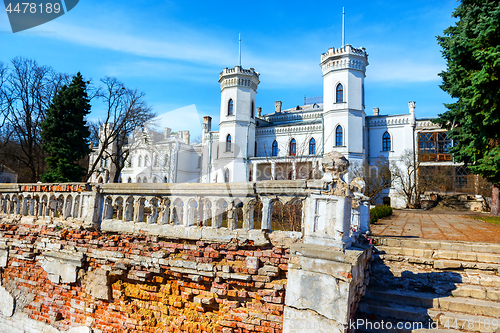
column 324, row 287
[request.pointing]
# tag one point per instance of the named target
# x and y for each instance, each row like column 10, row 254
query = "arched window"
column 252, row 110
column 139, row 161
column 165, row 179
column 129, row 180
column 386, row 142
column 155, row 159
column 226, row 176
column 339, row 136
column 145, row 180
column 138, row 179
column 228, row 142
column 312, row 146
column 293, row 147
column 230, row 107
column 275, row 148
column 146, row 160
column 155, row 180
column 340, row 93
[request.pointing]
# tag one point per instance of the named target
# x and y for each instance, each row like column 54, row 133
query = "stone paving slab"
column 428, row 225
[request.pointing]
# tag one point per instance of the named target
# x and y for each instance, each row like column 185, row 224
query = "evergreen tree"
column 471, row 48
column 65, row 134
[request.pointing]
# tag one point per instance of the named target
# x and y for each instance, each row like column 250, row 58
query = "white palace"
column 289, row 144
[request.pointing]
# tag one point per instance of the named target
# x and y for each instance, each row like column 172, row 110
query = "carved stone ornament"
column 335, row 166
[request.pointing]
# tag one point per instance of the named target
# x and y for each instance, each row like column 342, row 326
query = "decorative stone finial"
column 335, row 166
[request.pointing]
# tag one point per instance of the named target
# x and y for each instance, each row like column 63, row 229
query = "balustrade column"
column 139, row 211
column 273, row 170
column 24, row 207
column 188, row 215
column 254, row 172
column 266, row 213
column 294, row 170
column 232, row 217
column 154, row 213
column 216, row 217
column 248, row 210
column 171, row 217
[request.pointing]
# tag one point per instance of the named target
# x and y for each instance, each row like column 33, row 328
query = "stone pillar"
column 364, row 217
column 324, row 287
column 294, row 170
column 273, row 170
column 267, row 209
column 248, row 210
column 254, row 172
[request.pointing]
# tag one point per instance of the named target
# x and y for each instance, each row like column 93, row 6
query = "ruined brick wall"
column 138, row 283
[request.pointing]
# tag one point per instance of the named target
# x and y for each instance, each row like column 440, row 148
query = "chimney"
column 185, row 136
column 259, row 111
column 207, row 124
column 376, row 111
column 277, row 106
column 411, row 106
column 167, row 132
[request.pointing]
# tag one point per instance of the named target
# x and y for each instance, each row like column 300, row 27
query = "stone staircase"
column 421, row 285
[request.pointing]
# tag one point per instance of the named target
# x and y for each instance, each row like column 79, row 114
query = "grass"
column 490, row 219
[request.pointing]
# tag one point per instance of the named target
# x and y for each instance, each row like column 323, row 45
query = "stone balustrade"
column 214, row 212
column 327, row 269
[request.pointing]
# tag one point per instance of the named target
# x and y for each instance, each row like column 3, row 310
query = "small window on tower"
column 252, row 110
column 339, row 136
column 230, row 107
column 228, row 142
column 340, row 93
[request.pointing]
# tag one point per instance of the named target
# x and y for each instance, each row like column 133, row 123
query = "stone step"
column 437, row 244
column 444, row 319
column 479, row 257
column 470, row 306
column 440, row 263
column 439, row 288
column 391, row 272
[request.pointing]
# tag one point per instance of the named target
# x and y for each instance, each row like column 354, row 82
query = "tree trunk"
column 495, row 205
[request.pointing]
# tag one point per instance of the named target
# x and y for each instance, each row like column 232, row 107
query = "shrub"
column 379, row 211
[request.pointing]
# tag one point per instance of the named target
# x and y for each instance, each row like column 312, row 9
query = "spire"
column 240, row 50
column 343, row 26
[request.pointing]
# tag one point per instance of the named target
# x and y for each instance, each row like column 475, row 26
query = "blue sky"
column 174, row 50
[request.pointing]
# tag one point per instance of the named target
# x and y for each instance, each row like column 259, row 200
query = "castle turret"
column 237, row 122
column 343, row 100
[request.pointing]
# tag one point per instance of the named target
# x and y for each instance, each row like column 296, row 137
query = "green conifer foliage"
column 471, row 48
column 65, row 134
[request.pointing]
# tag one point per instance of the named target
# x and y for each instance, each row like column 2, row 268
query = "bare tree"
column 126, row 111
column 405, row 178
column 377, row 177
column 26, row 92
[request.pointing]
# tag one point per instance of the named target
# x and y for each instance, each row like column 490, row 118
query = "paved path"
column 437, row 226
